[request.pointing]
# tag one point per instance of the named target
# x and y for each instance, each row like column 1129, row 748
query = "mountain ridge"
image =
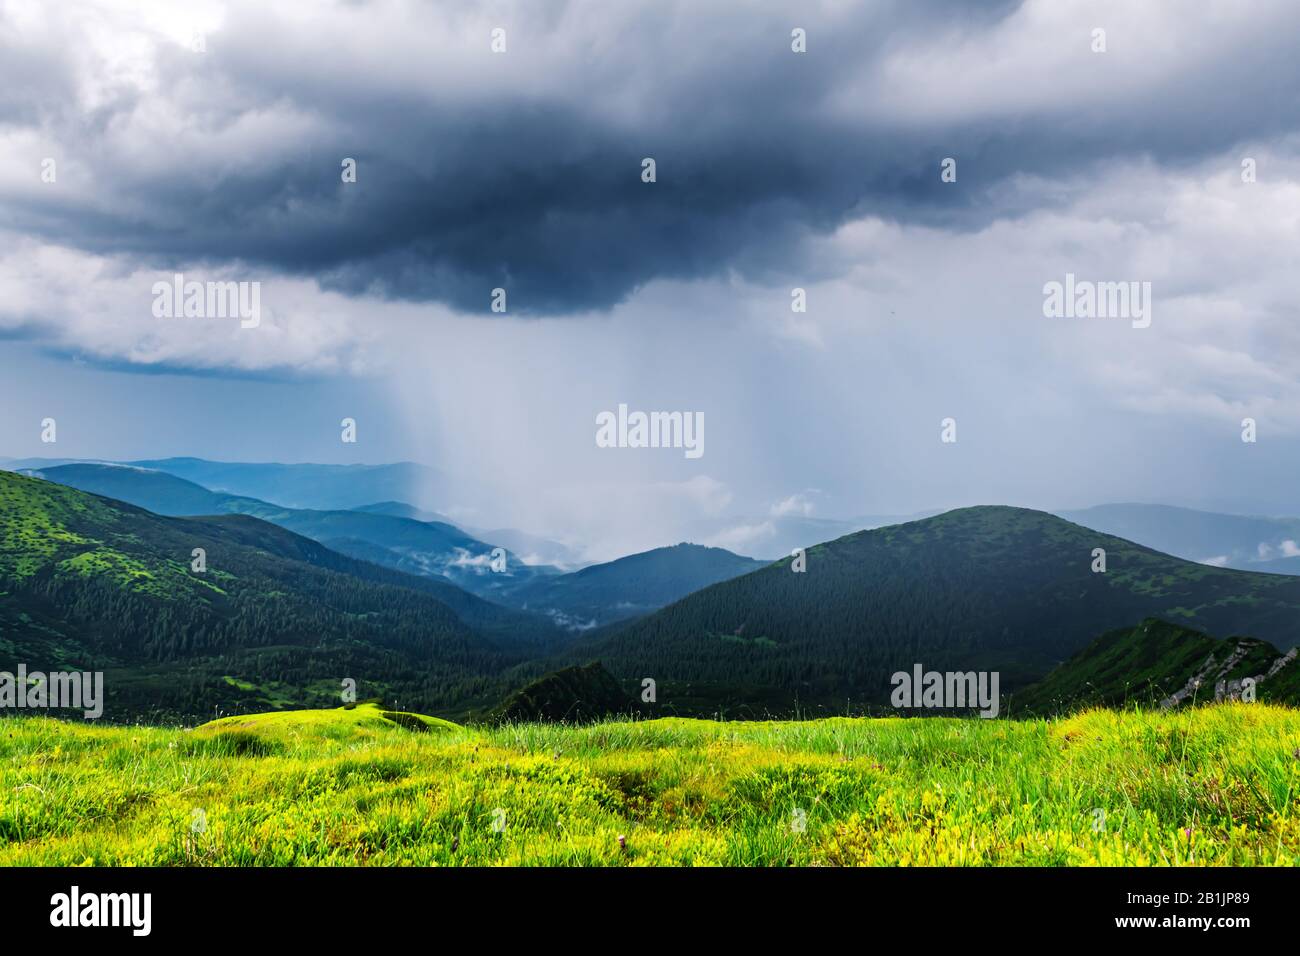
column 985, row 588
column 1157, row 663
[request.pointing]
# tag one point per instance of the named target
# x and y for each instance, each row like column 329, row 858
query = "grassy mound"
column 345, row 719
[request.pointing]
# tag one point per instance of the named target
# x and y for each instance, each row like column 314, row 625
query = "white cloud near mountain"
column 796, row 504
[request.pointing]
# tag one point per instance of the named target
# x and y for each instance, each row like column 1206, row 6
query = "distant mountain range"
column 1256, row 543
column 429, row 548
column 629, row 587
column 312, row 486
column 533, row 548
column 273, row 619
column 296, row 598
column 404, row 538
column 378, row 489
column 1224, row 540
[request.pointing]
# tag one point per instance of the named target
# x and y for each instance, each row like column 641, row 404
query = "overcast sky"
column 208, row 139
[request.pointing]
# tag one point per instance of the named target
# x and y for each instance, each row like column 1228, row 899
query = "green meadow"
column 1214, row 785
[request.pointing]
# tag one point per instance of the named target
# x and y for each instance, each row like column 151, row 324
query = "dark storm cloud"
column 490, row 184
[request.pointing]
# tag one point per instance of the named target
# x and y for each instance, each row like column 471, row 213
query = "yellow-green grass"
column 1218, row 785
column 341, row 723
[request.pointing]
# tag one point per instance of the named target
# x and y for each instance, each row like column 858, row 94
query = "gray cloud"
column 522, row 170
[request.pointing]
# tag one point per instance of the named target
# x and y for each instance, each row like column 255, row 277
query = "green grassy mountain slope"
column 274, row 620
column 986, row 588
column 155, row 491
column 1150, row 664
column 398, row 544
column 426, row 548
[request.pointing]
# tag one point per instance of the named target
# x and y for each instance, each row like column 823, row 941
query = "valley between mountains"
column 97, row 573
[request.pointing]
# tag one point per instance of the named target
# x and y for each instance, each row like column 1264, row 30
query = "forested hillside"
column 274, row 619
column 988, row 588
